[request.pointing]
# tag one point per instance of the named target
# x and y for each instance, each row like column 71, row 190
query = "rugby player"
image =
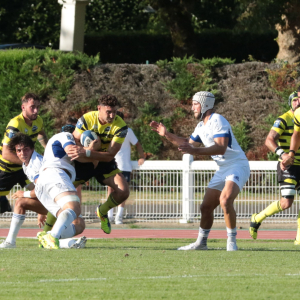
column 29, row 123
column 112, row 131
column 215, row 133
column 32, row 162
column 279, row 141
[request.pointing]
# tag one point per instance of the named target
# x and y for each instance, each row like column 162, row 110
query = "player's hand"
column 160, row 128
column 41, row 220
column 95, row 145
column 141, row 161
column 187, row 148
column 75, row 152
column 287, row 161
column 18, row 194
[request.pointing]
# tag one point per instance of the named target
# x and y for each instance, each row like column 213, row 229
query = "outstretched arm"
column 140, row 150
column 162, row 131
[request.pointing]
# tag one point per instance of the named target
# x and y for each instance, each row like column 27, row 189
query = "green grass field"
column 151, row 269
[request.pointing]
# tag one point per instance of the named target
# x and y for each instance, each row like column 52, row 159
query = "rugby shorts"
column 8, row 180
column 288, row 180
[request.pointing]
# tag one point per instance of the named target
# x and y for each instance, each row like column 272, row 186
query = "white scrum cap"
column 206, row 99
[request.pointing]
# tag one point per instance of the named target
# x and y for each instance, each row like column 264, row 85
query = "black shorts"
column 288, row 180
column 127, row 175
column 85, row 171
column 9, row 179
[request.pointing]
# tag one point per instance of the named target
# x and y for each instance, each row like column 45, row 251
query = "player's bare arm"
column 10, row 156
column 141, row 153
column 219, row 148
column 42, row 138
column 295, row 143
column 162, row 131
column 271, row 140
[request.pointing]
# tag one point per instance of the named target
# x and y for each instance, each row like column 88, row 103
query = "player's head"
column 206, row 101
column 108, row 105
column 30, row 106
column 70, row 125
column 22, row 145
column 293, row 100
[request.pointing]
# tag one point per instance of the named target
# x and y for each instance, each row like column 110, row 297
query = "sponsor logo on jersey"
column 26, row 130
column 34, row 128
column 277, row 124
column 79, row 124
column 11, row 133
column 70, row 137
column 107, row 128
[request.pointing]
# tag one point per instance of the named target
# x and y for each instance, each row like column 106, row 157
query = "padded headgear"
column 206, row 99
column 292, row 97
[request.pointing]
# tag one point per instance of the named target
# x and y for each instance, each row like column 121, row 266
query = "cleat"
column 118, row 220
column 296, row 242
column 39, row 236
column 80, row 243
column 7, row 245
column 232, row 246
column 50, row 242
column 253, row 227
column 105, row 225
column 193, row 246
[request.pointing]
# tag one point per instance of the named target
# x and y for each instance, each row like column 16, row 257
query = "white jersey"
column 55, row 155
column 123, row 157
column 218, row 126
column 33, row 168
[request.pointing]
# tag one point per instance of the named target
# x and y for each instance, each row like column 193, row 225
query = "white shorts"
column 237, row 174
column 49, row 185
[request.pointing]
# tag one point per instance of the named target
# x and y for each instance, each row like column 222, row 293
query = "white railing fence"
column 172, row 191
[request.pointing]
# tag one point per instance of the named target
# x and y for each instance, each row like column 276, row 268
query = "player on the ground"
column 32, row 162
column 278, row 141
column 31, row 124
column 293, row 158
column 124, row 164
column 112, row 131
column 215, row 133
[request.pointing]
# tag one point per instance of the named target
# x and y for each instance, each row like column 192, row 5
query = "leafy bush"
column 48, row 73
column 240, row 131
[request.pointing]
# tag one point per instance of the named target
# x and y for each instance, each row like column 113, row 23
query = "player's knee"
column 206, row 209
column 79, row 225
column 286, row 202
column 225, row 203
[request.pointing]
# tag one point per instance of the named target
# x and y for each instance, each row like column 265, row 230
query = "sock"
column 15, row 225
column 66, row 243
column 120, row 212
column 231, row 234
column 298, row 227
column 64, row 220
column 110, row 213
column 272, row 209
column 68, row 232
column 108, row 204
column 202, row 236
column 50, row 221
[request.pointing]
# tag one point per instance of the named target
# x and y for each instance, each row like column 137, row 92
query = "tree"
column 283, row 15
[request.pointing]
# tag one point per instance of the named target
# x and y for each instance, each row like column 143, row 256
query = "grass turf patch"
column 150, row 269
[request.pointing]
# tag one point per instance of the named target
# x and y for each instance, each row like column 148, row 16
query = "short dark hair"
column 119, row 113
column 108, row 100
column 70, row 125
column 28, row 96
column 20, row 139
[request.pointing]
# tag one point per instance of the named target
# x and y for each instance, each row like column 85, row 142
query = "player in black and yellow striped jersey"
column 29, row 123
column 112, row 130
column 279, row 141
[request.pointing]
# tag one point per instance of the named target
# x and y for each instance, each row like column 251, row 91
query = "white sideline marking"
column 136, row 278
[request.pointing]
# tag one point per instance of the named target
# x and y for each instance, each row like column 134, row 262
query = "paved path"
column 166, row 233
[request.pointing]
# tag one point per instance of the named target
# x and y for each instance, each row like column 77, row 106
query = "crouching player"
column 32, row 162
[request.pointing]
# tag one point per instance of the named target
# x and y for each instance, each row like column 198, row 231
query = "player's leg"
column 18, row 218
column 287, row 182
column 209, row 203
column 119, row 215
column 110, row 213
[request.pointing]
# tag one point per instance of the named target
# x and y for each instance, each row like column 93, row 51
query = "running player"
column 278, row 141
column 112, row 131
column 28, row 122
column 215, row 133
column 32, row 162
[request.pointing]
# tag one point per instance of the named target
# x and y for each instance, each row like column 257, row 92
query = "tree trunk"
column 289, row 35
column 178, row 19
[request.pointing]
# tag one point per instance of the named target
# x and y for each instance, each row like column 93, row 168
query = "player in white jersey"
column 32, row 162
column 215, row 133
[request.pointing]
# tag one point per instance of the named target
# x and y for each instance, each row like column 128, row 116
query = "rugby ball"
column 87, row 137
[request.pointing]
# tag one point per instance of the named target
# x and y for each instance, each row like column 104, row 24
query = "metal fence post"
column 187, row 189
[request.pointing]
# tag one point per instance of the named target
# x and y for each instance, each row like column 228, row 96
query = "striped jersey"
column 218, row 126
column 18, row 124
column 284, row 126
column 115, row 131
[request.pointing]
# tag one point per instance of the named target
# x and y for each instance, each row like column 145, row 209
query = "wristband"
column 88, row 153
column 27, row 194
column 293, row 151
column 279, row 151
